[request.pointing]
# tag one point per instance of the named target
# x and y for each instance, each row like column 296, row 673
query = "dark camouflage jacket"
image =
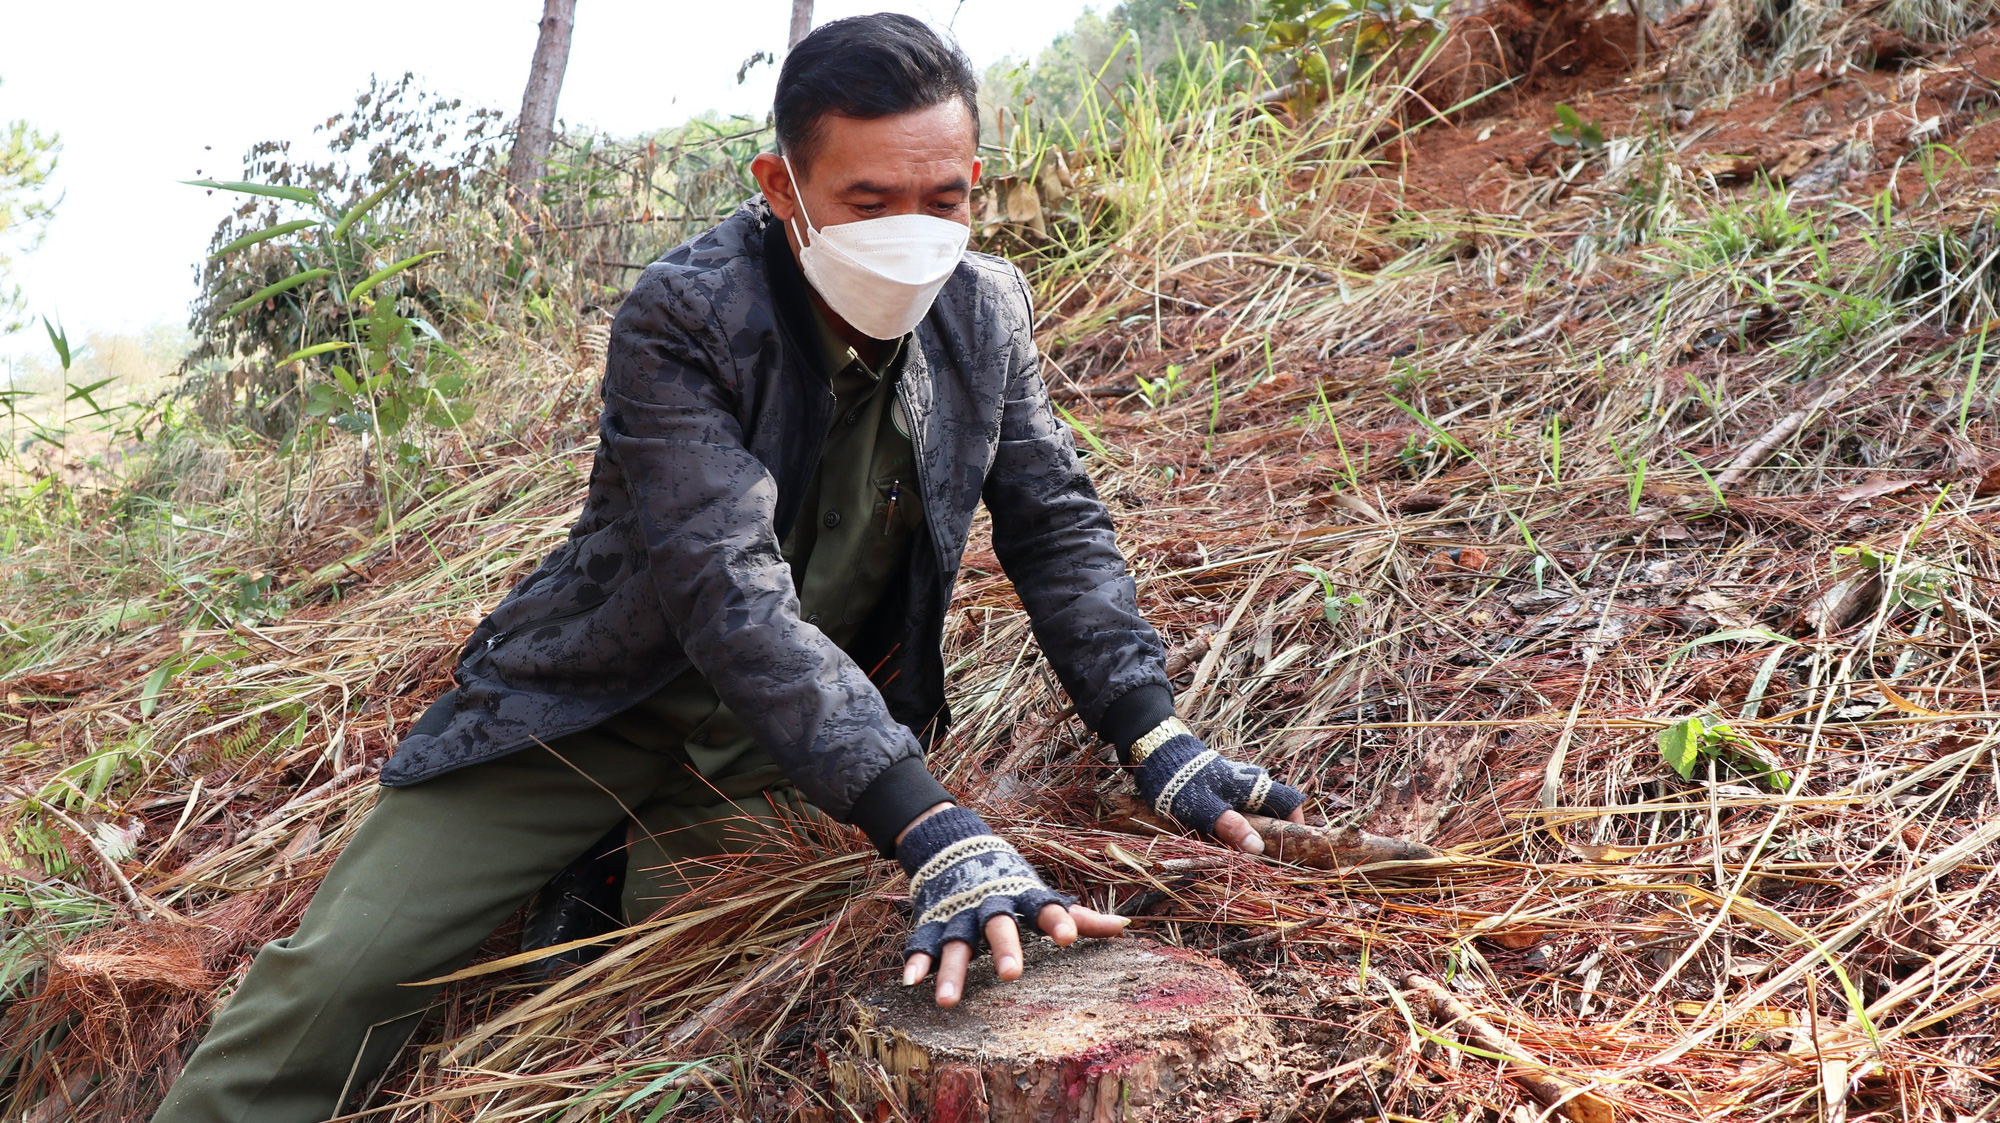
column 715, row 409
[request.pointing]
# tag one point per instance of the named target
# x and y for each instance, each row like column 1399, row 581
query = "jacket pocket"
column 494, row 641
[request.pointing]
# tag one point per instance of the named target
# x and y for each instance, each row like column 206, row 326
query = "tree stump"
column 1102, row 1032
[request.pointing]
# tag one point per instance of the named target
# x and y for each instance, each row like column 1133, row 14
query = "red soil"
column 1851, row 131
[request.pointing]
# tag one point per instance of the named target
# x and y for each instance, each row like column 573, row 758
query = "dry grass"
column 1372, row 393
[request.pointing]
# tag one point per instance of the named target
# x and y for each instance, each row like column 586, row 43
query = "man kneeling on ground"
column 802, row 408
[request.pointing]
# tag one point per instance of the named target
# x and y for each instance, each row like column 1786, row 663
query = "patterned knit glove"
column 963, row 875
column 1193, row 784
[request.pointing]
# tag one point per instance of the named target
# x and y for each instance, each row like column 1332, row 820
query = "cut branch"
column 1323, row 848
column 1572, row 1101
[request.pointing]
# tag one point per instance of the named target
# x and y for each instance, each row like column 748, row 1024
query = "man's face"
column 922, row 162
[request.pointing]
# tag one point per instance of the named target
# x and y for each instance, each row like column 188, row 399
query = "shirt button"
column 813, row 619
column 832, row 519
column 853, row 415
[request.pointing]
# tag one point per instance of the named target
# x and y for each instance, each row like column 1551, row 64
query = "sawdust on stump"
column 1108, row 1030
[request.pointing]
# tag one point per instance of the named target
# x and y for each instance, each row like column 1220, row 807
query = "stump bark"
column 1108, row 1030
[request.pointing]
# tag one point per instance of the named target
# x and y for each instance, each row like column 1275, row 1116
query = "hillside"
column 1595, row 477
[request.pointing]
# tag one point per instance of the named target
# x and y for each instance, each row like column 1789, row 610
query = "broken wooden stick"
column 1572, row 1101
column 1783, row 430
column 1333, row 848
column 1322, row 848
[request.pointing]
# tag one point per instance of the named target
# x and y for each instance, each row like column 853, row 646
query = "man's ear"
column 775, row 181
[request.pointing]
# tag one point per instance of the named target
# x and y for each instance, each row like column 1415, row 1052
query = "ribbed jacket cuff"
column 1133, row 714
column 895, row 798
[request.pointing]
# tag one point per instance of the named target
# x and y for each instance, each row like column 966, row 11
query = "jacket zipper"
column 923, row 485
column 833, row 415
column 833, row 401
column 497, row 638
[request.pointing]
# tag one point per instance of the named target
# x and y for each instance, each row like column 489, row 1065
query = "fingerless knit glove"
column 1193, row 784
column 963, row 875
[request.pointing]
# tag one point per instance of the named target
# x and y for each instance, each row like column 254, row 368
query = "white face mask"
column 880, row 274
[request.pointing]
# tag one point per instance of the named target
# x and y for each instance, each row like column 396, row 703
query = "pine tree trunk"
column 536, row 127
column 1109, row 1030
column 802, row 22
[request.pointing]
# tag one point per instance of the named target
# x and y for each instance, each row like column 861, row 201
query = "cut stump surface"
column 1106, row 1030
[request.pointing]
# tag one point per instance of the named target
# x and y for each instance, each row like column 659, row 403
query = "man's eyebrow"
column 863, row 187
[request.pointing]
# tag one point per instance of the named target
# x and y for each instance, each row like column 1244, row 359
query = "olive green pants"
column 431, row 872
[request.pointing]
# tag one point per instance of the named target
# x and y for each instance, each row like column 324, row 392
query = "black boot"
column 581, row 901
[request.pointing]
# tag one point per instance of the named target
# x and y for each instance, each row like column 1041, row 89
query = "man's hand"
column 1063, row 925
column 1235, row 830
column 1197, row 787
column 967, row 883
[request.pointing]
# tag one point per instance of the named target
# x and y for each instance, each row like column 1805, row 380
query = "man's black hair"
column 866, row 67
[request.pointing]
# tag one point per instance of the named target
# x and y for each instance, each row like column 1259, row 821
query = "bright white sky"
column 145, row 94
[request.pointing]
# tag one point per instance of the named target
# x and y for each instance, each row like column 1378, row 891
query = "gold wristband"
column 1162, row 733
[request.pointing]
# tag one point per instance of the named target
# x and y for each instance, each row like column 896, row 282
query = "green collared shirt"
column 861, row 511
column 852, row 537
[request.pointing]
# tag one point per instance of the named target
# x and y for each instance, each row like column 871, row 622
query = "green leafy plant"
column 1312, row 42
column 1691, row 741
column 1332, row 604
column 1418, row 453
column 163, row 675
column 1157, row 392
column 1764, row 223
column 1635, row 475
column 228, row 595
column 1406, row 377
column 404, row 371
column 1572, row 131
column 1911, row 584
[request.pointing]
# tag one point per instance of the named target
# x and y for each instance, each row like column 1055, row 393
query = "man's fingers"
column 1005, row 939
column 1235, row 830
column 951, row 972
column 1298, row 815
column 1055, row 920
column 1063, row 925
column 1098, row 925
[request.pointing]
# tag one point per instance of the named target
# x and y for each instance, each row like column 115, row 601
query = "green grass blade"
column 315, row 349
column 286, row 285
column 384, row 274
column 295, row 194
column 364, row 206
column 264, row 235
